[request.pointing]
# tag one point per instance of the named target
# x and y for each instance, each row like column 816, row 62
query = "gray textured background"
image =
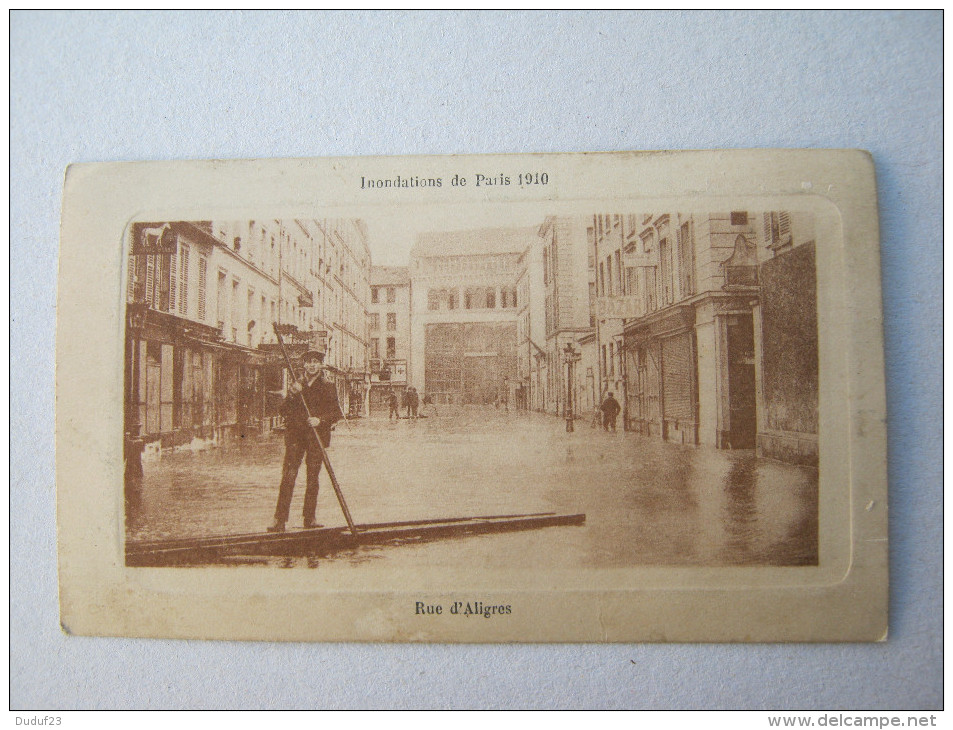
column 156, row 86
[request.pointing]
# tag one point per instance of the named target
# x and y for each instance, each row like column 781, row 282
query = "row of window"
column 391, row 348
column 267, row 244
column 674, row 277
column 390, row 291
column 474, row 297
column 604, row 223
column 163, row 282
column 611, row 359
column 375, row 321
column 614, row 278
column 247, row 325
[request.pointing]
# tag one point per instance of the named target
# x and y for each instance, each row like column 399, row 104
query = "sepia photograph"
column 609, row 390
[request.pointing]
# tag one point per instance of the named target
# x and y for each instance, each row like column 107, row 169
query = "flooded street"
column 646, row 502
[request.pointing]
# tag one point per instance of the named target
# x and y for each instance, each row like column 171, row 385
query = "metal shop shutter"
column 677, row 369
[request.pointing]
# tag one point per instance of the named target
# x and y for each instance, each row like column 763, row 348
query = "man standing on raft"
column 322, row 399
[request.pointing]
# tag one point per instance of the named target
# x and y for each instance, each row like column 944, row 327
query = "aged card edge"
column 868, row 474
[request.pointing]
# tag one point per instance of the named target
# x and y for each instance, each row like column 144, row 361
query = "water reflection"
column 740, row 510
column 647, row 502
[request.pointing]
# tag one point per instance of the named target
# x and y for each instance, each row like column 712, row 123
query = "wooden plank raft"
column 325, row 540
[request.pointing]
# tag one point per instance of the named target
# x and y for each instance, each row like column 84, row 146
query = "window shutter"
column 131, row 282
column 784, row 225
column 172, row 280
column 184, row 280
column 150, row 278
column 203, row 276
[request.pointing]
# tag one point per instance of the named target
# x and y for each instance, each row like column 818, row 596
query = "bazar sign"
column 640, row 260
column 617, row 307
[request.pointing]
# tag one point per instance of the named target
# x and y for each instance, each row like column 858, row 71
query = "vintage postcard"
column 538, row 398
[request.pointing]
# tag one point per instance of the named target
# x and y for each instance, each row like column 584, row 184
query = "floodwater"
column 647, row 502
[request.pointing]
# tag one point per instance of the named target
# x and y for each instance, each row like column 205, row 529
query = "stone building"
column 530, row 393
column 717, row 314
column 464, row 306
column 614, row 286
column 388, row 333
column 341, row 261
column 568, row 283
column 202, row 358
column 194, row 324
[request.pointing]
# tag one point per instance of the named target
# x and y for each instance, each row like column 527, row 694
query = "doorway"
column 743, row 420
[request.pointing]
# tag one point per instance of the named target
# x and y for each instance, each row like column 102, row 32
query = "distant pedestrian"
column 394, row 403
column 413, row 402
column 610, row 411
column 355, row 399
column 428, row 401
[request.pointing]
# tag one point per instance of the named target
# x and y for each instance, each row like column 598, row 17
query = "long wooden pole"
column 341, row 409
column 324, row 453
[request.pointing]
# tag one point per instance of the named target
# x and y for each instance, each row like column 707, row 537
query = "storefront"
column 661, row 372
column 183, row 383
column 386, row 377
column 471, row 363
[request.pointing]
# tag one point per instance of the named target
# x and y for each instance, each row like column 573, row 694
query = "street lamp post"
column 570, row 357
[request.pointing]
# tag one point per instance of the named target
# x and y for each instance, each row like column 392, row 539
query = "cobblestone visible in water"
column 646, row 502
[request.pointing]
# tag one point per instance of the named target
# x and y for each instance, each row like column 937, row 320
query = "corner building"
column 717, row 314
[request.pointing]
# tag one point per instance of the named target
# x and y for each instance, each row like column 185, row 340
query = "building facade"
column 389, row 333
column 202, row 358
column 341, row 261
column 531, row 330
column 786, row 341
column 717, row 318
column 568, row 282
column 608, row 234
column 464, row 305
